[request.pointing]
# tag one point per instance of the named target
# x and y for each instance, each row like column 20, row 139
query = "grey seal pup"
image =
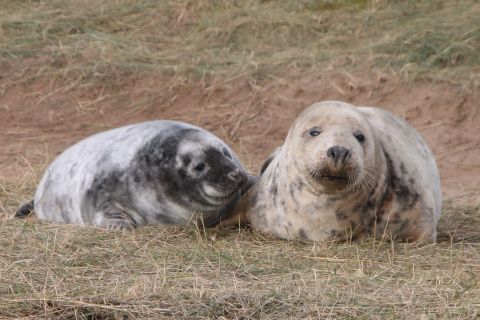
column 156, row 172
column 346, row 173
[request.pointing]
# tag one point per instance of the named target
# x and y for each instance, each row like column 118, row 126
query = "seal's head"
column 333, row 143
column 209, row 171
column 193, row 167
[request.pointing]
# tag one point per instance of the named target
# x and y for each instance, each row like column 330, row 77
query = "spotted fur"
column 385, row 185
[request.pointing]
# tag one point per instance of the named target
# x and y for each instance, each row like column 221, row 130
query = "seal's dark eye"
column 200, row 167
column 359, row 136
column 227, row 154
column 314, row 132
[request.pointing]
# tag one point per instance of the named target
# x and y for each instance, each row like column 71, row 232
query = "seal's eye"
column 200, row 167
column 314, row 132
column 227, row 154
column 359, row 136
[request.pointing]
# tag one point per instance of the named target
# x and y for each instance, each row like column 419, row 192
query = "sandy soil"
column 41, row 118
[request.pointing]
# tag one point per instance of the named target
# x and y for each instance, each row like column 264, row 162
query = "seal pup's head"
column 209, row 170
column 332, row 145
column 193, row 167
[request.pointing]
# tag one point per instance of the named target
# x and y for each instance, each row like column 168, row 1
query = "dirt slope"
column 41, row 118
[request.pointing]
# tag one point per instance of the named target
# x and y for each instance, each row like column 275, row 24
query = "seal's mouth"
column 334, row 178
column 216, row 200
column 222, row 197
column 331, row 179
column 218, row 194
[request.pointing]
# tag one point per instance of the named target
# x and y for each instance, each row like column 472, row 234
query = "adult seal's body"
column 158, row 172
column 347, row 173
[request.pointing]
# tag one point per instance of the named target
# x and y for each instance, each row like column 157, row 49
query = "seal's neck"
column 379, row 174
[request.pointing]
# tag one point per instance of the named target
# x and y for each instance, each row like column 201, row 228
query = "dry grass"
column 71, row 272
column 92, row 41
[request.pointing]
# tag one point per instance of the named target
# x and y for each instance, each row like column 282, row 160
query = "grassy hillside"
column 231, row 38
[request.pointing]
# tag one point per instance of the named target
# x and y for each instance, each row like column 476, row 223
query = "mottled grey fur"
column 157, row 172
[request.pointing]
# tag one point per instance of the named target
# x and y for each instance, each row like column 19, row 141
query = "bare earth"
column 41, row 118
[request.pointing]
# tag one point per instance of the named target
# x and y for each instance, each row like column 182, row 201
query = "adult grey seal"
column 157, row 172
column 347, row 173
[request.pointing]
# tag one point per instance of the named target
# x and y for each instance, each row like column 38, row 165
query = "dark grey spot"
column 357, row 207
column 341, row 215
column 319, row 206
column 384, row 204
column 299, row 184
column 254, row 198
column 106, row 189
column 369, row 222
column 404, row 224
column 292, row 190
column 186, row 160
column 302, row 234
column 137, row 178
column 273, row 176
column 405, row 196
column 293, row 195
column 402, row 169
column 336, row 233
column 274, row 193
column 332, row 199
column 369, row 206
column 165, row 219
column 63, row 209
column 354, row 225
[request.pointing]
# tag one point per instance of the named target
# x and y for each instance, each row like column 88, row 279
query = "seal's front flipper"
column 117, row 219
column 116, row 224
column 25, row 210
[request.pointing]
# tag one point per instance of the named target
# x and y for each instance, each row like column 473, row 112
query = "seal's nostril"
column 331, row 153
column 337, row 153
column 238, row 176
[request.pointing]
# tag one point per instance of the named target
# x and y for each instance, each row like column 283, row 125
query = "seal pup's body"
column 157, row 172
column 347, row 173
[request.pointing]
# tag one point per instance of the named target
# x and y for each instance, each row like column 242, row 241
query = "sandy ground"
column 40, row 118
